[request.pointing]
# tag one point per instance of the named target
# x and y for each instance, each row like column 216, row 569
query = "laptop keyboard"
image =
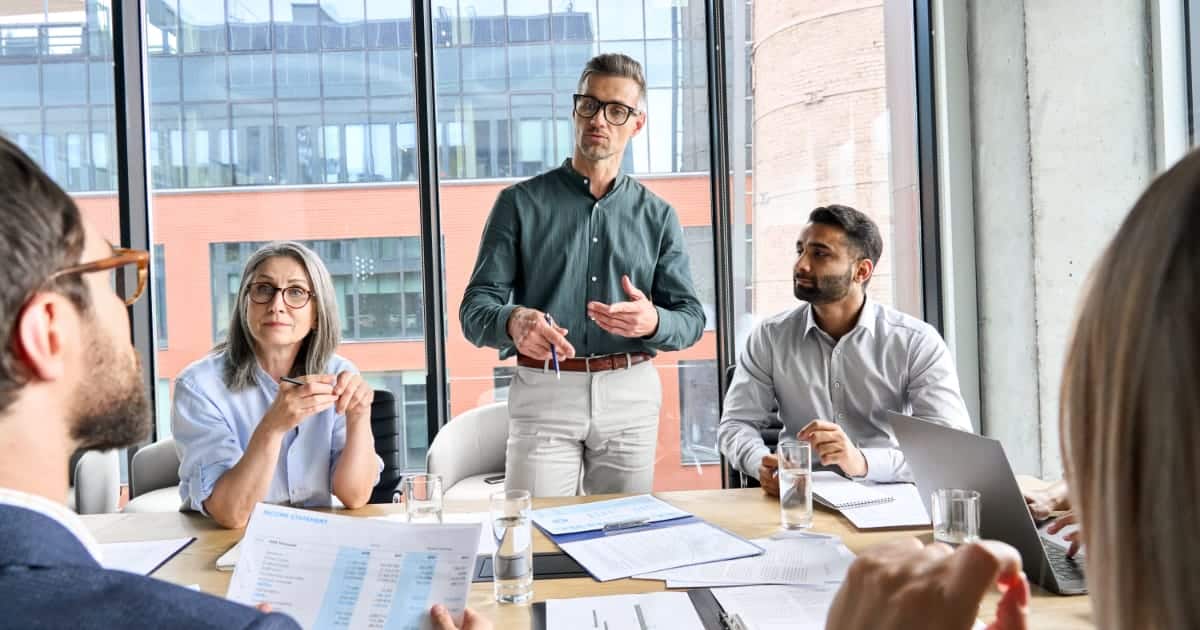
column 1063, row 566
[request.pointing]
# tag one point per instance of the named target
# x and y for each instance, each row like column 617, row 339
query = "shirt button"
column 841, row 416
column 837, row 385
column 595, row 239
column 593, row 278
column 585, row 180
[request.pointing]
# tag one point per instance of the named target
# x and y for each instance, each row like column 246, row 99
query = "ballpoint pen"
column 553, row 351
column 288, row 379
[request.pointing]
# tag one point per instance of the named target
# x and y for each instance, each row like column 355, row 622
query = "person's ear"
column 863, row 270
column 41, row 335
column 640, row 122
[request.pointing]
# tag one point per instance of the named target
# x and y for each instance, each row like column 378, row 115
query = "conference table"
column 747, row 512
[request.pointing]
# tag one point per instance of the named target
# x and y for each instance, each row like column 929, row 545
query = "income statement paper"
column 331, row 571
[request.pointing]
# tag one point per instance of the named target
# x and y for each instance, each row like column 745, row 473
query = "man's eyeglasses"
column 129, row 267
column 615, row 113
column 293, row 297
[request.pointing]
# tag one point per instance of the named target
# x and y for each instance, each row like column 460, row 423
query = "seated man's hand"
column 1052, row 498
column 1070, row 518
column 767, row 475
column 471, row 620
column 831, row 445
column 903, row 584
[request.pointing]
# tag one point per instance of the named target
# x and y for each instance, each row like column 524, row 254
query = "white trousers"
column 601, row 425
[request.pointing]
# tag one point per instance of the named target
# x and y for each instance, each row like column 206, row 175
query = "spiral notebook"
column 833, row 490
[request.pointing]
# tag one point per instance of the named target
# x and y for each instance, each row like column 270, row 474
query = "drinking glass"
column 795, row 485
column 955, row 516
column 512, row 562
column 423, row 498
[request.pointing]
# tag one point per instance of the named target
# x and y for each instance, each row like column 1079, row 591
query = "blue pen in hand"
column 553, row 351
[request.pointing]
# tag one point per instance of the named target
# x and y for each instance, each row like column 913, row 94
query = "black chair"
column 389, row 445
column 770, row 437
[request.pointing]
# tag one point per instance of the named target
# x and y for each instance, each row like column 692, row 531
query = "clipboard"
column 710, row 611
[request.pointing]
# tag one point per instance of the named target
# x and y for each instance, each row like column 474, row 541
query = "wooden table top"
column 746, row 512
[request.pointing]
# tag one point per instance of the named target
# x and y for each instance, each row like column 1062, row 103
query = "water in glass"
column 512, row 563
column 795, row 498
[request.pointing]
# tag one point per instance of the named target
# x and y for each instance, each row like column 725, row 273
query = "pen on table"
column 620, row 525
column 553, row 351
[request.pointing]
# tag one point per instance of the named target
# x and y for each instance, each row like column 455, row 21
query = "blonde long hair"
column 1130, row 410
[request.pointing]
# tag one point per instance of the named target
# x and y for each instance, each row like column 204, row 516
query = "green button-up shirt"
column 550, row 245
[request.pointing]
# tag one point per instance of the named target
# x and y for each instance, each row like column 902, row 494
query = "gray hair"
column 615, row 65
column 315, row 350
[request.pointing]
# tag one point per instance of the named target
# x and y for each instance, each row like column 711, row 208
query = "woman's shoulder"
column 205, row 372
column 338, row 364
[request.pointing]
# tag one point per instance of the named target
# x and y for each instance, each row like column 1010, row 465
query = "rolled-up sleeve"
column 749, row 405
column 485, row 307
column 206, row 444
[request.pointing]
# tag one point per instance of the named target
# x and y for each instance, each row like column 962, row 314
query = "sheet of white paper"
column 645, row 551
column 785, row 561
column 586, row 517
column 141, row 557
column 487, row 542
column 332, row 571
column 647, row 611
column 778, row 607
column 905, row 510
column 838, row 492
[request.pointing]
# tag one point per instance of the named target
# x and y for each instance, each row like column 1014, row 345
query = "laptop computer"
column 943, row 457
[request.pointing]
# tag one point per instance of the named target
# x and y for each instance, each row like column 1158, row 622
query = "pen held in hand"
column 553, row 350
column 288, row 379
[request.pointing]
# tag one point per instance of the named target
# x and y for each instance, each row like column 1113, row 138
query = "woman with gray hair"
column 272, row 414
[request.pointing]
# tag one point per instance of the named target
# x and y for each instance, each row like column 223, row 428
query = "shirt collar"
column 866, row 318
column 56, row 512
column 581, row 182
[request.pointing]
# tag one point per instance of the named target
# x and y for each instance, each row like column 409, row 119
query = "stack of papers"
column 804, row 559
column 778, row 607
column 586, row 517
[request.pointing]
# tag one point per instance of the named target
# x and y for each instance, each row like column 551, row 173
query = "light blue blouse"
column 212, row 427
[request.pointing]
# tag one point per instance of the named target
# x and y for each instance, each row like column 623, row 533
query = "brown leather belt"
column 588, row 364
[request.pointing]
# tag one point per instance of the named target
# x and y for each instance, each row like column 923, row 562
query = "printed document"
column 647, row 611
column 586, row 517
column 645, row 551
column 791, row 560
column 778, row 607
column 487, row 541
column 332, row 571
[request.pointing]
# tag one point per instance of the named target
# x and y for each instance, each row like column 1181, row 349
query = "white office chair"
column 469, row 449
column 154, row 479
column 97, row 487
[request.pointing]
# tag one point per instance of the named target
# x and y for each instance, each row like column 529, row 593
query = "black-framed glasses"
column 615, row 113
column 130, row 269
column 293, row 296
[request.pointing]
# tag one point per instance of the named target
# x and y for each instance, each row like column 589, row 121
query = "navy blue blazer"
column 49, row 580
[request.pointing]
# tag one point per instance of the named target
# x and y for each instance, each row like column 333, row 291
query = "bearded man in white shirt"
column 835, row 365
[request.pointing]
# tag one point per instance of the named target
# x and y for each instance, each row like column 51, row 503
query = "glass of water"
column 512, row 562
column 795, row 485
column 955, row 516
column 423, row 498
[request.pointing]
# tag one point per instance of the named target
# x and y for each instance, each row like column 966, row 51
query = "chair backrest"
column 472, row 443
column 770, row 437
column 389, row 445
column 154, row 466
column 98, row 482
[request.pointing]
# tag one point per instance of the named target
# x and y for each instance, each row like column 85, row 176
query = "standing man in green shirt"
column 585, row 266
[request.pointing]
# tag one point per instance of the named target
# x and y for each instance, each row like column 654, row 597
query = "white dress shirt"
column 889, row 361
column 56, row 512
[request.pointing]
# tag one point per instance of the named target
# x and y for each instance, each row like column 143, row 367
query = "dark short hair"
column 41, row 231
column 861, row 232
